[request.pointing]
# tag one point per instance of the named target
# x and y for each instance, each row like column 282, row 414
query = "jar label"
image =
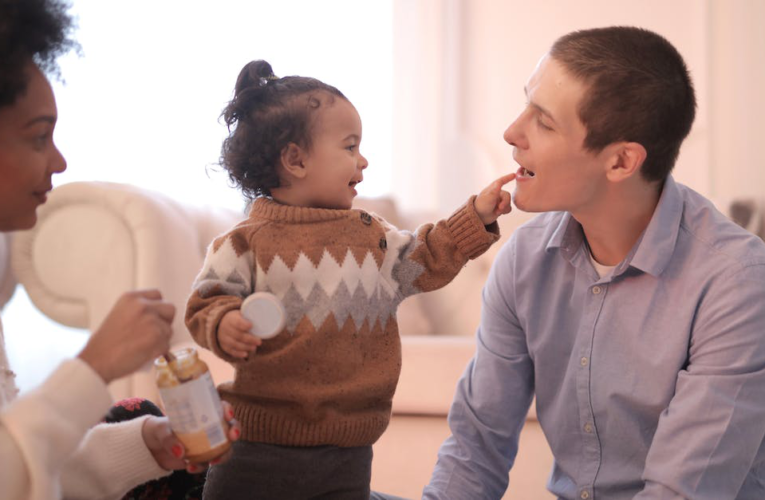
column 195, row 414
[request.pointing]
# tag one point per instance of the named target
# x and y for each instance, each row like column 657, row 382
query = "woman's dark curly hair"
column 31, row 31
column 266, row 115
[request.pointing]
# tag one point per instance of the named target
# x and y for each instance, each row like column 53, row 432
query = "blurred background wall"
column 460, row 67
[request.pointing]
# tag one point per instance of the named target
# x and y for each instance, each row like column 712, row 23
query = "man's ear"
column 625, row 160
column 292, row 160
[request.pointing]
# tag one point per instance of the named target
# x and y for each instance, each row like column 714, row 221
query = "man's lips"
column 524, row 173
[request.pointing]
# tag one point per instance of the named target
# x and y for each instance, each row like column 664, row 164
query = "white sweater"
column 49, row 447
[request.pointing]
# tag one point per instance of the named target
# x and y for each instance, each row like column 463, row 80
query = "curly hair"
column 266, row 114
column 36, row 31
column 639, row 90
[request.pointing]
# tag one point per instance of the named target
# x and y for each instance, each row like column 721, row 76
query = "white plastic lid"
column 266, row 313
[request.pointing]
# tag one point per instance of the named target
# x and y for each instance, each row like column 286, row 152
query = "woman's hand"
column 493, row 201
column 169, row 452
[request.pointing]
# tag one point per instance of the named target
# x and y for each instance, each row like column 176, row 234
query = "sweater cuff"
column 124, row 444
column 470, row 235
column 49, row 422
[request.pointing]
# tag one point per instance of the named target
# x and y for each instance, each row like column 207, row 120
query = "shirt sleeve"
column 709, row 435
column 434, row 254
column 223, row 283
column 111, row 460
column 41, row 429
column 491, row 401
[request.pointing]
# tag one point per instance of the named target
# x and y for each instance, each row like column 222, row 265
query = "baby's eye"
column 351, row 148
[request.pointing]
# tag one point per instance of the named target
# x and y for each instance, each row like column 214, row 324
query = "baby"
column 313, row 399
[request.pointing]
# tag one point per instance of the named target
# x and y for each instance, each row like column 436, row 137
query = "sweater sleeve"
column 111, row 460
column 225, row 280
column 434, row 254
column 41, row 429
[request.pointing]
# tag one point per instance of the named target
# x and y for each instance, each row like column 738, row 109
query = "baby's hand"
column 493, row 201
column 234, row 335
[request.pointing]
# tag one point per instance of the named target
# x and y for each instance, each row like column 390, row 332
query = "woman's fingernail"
column 236, row 433
column 229, row 414
column 177, row 450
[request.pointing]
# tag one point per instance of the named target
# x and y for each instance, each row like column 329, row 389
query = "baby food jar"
column 193, row 405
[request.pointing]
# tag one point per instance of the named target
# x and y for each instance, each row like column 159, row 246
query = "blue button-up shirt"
column 649, row 382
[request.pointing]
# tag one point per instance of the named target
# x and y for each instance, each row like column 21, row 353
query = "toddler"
column 313, row 399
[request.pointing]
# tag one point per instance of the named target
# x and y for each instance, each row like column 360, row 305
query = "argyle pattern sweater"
column 329, row 377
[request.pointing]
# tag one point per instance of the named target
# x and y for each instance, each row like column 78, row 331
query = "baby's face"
column 334, row 163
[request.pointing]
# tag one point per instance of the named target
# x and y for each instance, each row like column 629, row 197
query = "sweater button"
column 383, row 243
column 366, row 218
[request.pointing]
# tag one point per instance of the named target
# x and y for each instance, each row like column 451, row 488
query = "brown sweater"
column 329, row 377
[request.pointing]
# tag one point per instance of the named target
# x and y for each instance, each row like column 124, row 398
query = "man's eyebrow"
column 538, row 107
column 42, row 118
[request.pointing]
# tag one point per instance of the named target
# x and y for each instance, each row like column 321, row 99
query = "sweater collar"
column 268, row 208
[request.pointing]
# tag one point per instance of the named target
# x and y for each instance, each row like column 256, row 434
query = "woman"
column 48, row 445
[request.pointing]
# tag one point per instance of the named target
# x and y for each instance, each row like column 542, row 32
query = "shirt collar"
column 654, row 248
column 656, row 245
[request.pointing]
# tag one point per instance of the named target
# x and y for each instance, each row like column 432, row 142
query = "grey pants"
column 269, row 472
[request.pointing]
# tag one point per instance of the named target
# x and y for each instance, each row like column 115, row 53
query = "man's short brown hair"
column 638, row 90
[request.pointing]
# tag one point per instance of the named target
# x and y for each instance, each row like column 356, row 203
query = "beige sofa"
column 95, row 240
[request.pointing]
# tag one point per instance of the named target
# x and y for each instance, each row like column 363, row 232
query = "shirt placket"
column 591, row 450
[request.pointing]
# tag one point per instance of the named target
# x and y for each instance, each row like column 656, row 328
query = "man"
column 631, row 309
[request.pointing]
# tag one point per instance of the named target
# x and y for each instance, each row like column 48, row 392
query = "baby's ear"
column 292, row 160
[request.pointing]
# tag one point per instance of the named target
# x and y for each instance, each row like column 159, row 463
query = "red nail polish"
column 177, row 450
column 236, row 433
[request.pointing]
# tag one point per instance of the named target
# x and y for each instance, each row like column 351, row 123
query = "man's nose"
column 515, row 134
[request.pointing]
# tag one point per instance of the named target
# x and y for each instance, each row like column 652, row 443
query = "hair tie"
column 265, row 79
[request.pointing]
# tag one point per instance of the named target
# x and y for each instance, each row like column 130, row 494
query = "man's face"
column 28, row 157
column 556, row 172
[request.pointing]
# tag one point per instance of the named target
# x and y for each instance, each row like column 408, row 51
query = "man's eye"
column 542, row 125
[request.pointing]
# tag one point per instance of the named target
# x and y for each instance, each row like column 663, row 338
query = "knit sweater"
column 329, row 377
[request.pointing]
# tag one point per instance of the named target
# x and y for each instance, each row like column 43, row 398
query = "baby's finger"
column 243, row 323
column 497, row 184
column 505, row 205
column 242, row 346
column 231, row 350
column 248, row 339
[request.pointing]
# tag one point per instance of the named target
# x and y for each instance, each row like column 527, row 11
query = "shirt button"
column 587, row 428
column 596, row 290
column 583, row 361
column 366, row 218
column 584, row 495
